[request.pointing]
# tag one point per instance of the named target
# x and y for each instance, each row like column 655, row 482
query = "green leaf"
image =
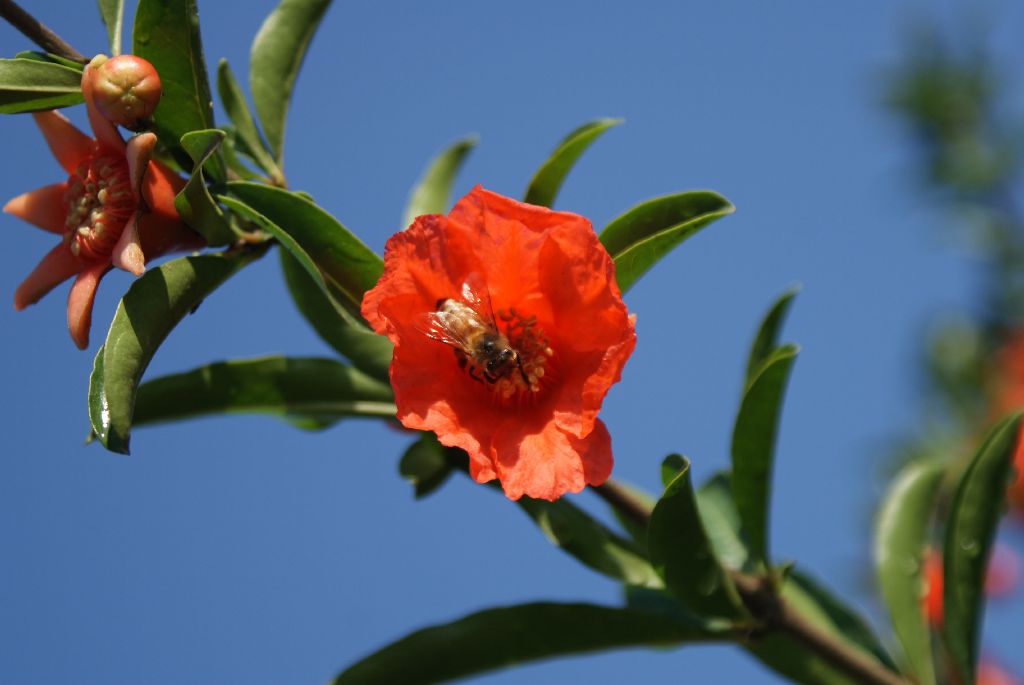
column 238, row 112
column 427, row 464
column 498, row 638
column 369, row 351
column 639, row 238
column 547, row 181
column 275, row 60
column 973, row 518
column 112, row 13
column 166, row 33
column 767, row 339
column 50, row 58
column 722, row 521
column 194, row 203
column 152, row 307
column 432, row 192
column 346, row 263
column 315, row 391
column 900, row 543
column 682, row 554
column 753, row 446
column 33, row 85
column 637, row 531
column 587, row 539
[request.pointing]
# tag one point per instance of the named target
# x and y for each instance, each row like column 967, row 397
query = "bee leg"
column 472, row 374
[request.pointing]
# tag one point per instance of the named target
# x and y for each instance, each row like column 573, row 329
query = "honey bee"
column 467, row 324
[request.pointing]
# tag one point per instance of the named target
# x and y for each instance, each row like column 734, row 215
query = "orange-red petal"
column 105, row 132
column 69, row 145
column 80, row 301
column 43, row 207
column 53, row 269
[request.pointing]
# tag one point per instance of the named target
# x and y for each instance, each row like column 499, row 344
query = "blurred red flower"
column 991, row 674
column 1001, row 577
column 508, row 329
column 116, row 208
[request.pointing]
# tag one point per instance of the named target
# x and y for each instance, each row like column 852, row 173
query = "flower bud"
column 126, row 89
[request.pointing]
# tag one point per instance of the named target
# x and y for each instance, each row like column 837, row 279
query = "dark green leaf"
column 275, row 60
column 50, row 58
column 33, row 85
column 587, row 539
column 973, row 518
column 498, row 638
column 315, row 391
column 426, row 464
column 194, row 203
column 112, row 13
column 346, row 263
column 547, row 181
column 432, row 192
column 900, row 543
column 166, row 33
column 147, row 313
column 636, row 530
column 369, row 351
column 753, row 446
column 722, row 521
column 683, row 556
column 238, row 112
column 638, row 239
column 767, row 338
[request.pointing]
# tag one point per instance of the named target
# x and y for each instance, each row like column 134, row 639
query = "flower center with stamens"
column 530, row 343
column 99, row 202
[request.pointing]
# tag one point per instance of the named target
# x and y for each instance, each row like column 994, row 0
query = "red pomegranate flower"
column 115, row 209
column 508, row 330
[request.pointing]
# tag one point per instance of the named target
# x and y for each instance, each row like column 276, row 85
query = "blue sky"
column 239, row 549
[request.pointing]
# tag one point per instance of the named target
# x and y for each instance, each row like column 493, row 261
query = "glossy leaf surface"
column 547, row 180
column 767, row 338
column 497, row 638
column 275, row 60
column 900, row 544
column 345, row 262
column 335, row 326
column 974, row 514
column 432, row 192
column 194, row 203
column 247, row 135
column 722, row 521
column 682, row 554
column 154, row 304
column 640, row 237
column 753, row 446
column 426, row 465
column 33, row 85
column 307, row 391
column 112, row 13
column 166, row 32
column 590, row 542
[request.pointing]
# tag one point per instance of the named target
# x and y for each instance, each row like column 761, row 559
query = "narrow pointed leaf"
column 547, row 181
column 166, row 32
column 753, row 446
column 498, row 638
column 590, row 542
column 315, row 391
column 974, row 514
column 148, row 312
column 639, row 238
column 722, row 521
column 427, row 464
column 767, row 338
column 245, row 127
column 637, row 531
column 50, row 58
column 682, row 554
column 349, row 338
column 275, row 60
column 194, row 203
column 349, row 265
column 900, row 542
column 33, row 85
column 112, row 13
column 432, row 192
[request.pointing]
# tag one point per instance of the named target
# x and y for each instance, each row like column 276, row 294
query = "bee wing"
column 475, row 294
column 434, row 325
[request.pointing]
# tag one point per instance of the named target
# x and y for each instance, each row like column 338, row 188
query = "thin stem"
column 35, row 31
column 771, row 611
